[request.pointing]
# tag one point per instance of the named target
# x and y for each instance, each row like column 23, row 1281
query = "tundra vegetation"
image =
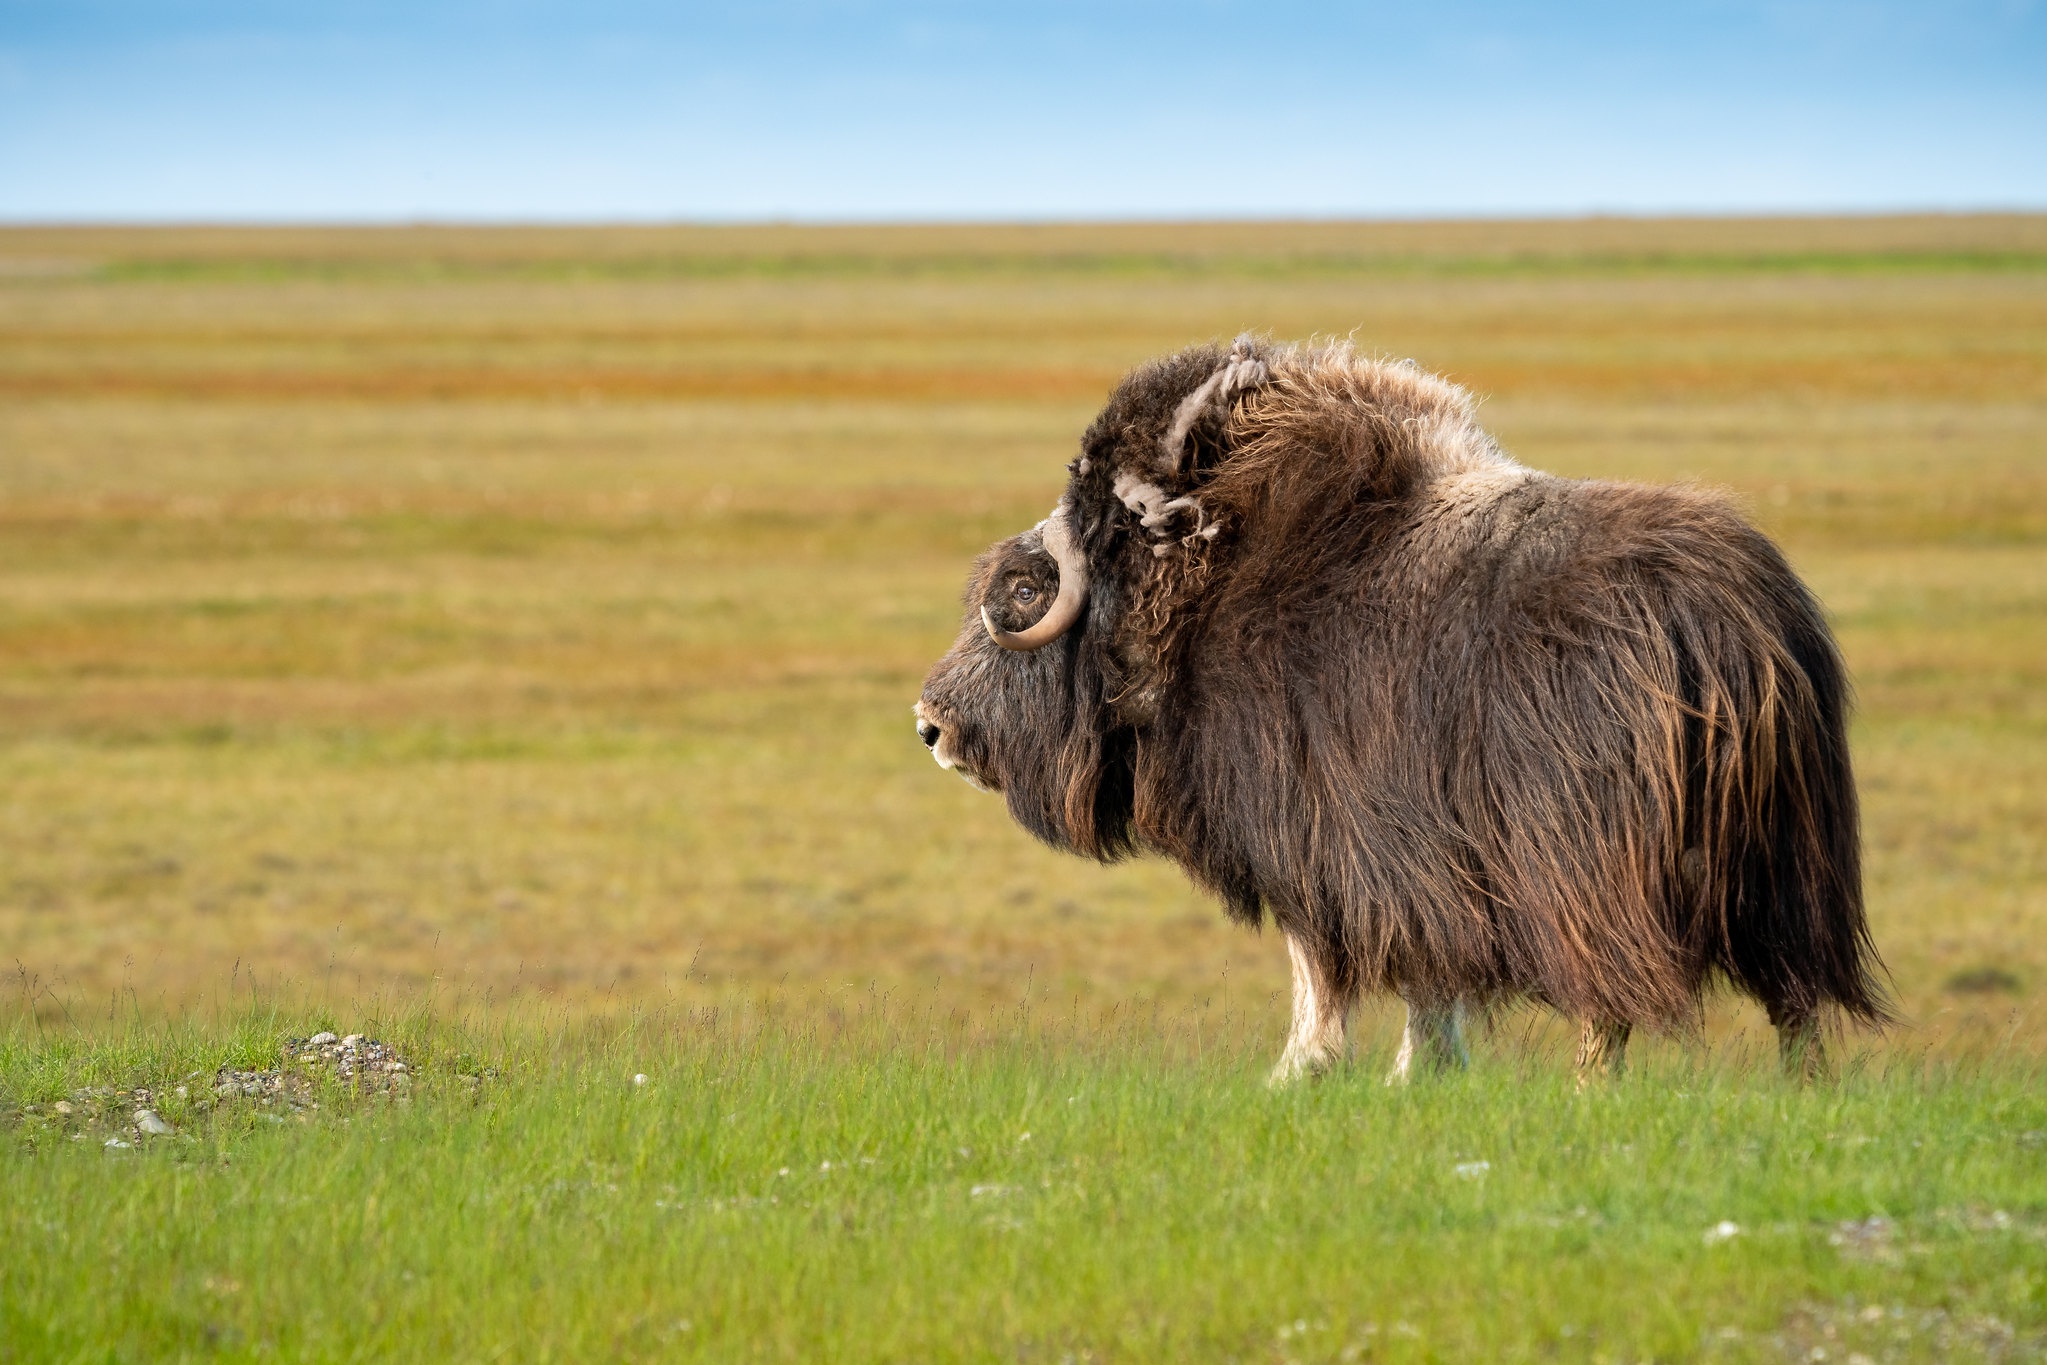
column 502, row 643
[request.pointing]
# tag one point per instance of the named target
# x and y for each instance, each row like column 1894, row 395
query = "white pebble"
column 147, row 1121
column 321, row 1040
column 640, row 1078
column 1722, row 1231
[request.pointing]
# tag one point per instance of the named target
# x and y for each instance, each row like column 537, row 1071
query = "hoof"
column 1293, row 1070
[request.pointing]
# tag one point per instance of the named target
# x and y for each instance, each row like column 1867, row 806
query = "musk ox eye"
column 1026, row 594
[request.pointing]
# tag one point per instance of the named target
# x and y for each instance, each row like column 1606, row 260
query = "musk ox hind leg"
column 1602, row 1050
column 1801, row 1045
column 1321, row 1028
column 1432, row 1039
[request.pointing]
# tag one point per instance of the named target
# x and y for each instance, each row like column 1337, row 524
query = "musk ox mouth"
column 937, row 737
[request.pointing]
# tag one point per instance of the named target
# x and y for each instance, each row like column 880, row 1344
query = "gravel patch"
column 362, row 1064
column 115, row 1116
column 1853, row 1334
column 121, row 1118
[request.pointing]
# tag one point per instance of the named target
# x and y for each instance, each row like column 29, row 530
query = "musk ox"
column 1465, row 731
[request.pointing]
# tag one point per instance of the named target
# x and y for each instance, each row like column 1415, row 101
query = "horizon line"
column 458, row 222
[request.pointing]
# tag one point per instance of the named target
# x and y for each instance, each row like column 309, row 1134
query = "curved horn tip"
column 1049, row 627
column 1022, row 641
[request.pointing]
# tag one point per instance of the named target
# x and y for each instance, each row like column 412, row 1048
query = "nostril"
column 927, row 732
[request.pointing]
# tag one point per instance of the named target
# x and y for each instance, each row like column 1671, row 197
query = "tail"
column 1774, row 810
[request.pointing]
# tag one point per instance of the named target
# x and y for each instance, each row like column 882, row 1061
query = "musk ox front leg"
column 1602, row 1049
column 1322, row 1003
column 1434, row 1037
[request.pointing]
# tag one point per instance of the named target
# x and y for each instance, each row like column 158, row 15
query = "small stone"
column 396, row 1066
column 321, row 1040
column 117, row 1143
column 146, row 1121
column 353, row 1040
column 640, row 1078
column 62, row 1106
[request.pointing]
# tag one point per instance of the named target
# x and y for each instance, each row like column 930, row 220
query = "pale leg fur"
column 1434, row 1036
column 1801, row 1047
column 1602, row 1050
column 1321, row 1029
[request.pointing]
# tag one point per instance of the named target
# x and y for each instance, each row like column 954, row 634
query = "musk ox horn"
column 1065, row 608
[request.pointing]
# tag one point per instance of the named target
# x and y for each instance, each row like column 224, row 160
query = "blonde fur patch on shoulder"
column 1389, row 414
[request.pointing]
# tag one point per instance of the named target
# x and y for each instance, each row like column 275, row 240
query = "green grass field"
column 503, row 641
column 882, row 1189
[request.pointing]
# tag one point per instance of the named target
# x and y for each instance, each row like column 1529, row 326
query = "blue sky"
column 607, row 109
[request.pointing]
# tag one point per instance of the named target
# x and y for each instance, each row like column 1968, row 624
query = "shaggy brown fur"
column 1465, row 731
